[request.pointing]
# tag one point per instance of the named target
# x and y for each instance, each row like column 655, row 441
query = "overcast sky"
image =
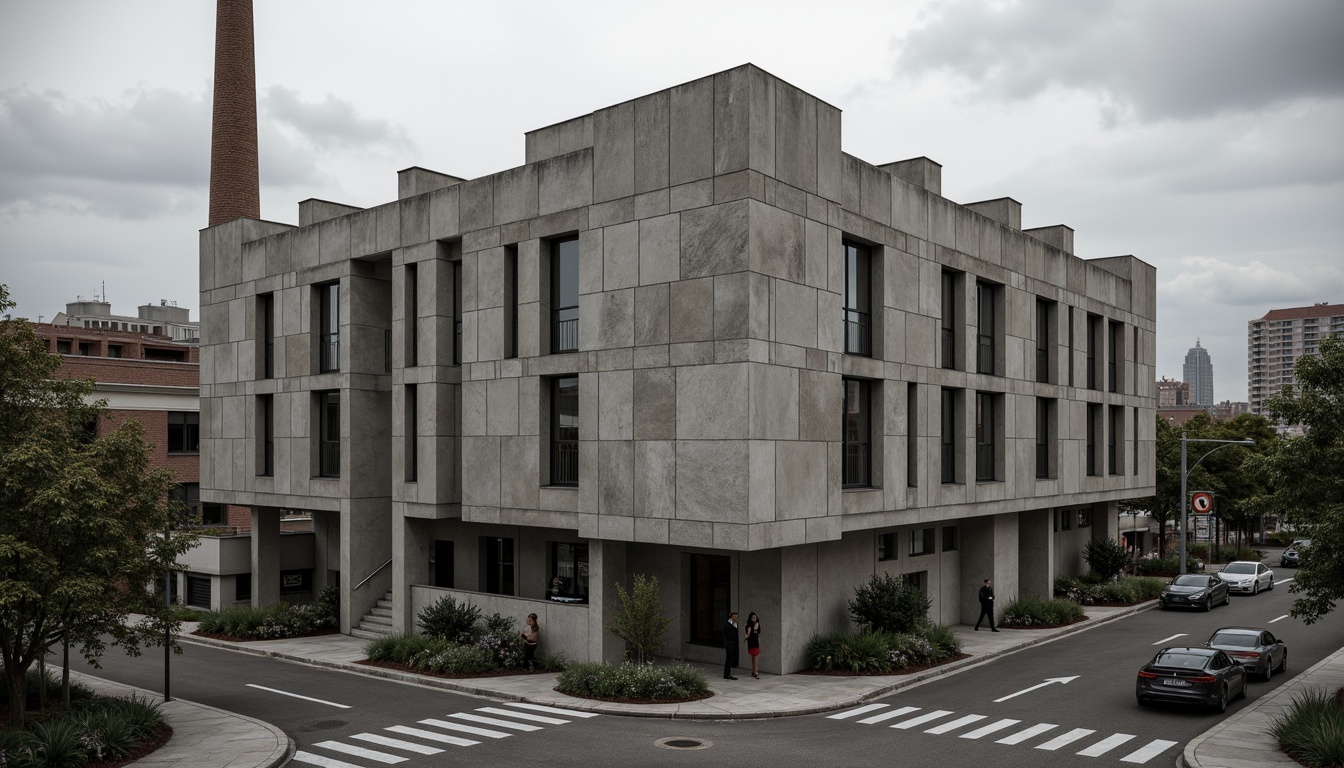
column 1202, row 137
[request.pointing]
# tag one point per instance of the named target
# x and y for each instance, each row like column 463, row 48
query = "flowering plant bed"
column 253, row 639
column 631, row 683
column 618, row 700
column 501, row 672
column 903, row 671
column 1043, row 626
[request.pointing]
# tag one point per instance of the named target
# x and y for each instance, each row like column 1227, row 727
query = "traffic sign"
column 1201, row 502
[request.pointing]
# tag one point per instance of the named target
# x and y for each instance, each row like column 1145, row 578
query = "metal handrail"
column 371, row 575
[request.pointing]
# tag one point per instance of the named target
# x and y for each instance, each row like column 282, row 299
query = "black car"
column 1255, row 649
column 1293, row 554
column 1194, row 590
column 1191, row 676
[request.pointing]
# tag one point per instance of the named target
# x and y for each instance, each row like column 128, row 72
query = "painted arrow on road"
column 1048, row 681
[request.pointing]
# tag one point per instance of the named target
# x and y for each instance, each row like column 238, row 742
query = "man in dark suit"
column 986, row 606
column 731, row 635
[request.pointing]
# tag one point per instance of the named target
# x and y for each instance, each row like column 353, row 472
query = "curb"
column 589, row 705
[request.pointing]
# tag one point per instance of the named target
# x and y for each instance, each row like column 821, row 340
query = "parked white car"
column 1247, row 576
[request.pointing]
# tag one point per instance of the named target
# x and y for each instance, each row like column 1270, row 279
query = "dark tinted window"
column 1234, row 639
column 1181, row 659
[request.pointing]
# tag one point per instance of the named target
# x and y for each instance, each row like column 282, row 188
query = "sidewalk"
column 770, row 696
column 204, row 737
column 1243, row 740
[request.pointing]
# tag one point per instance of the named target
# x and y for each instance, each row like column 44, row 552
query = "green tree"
column 1165, row 505
column 1305, row 476
column 640, row 619
column 887, row 603
column 84, row 520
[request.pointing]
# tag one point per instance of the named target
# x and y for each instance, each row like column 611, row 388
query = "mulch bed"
column 156, row 740
column 450, row 675
column 231, row 638
column 1048, row 626
column 637, row 701
column 906, row 671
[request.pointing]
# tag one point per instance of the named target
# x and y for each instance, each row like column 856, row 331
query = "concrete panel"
column 655, row 478
column 655, row 399
column 777, row 243
column 712, row 402
column 692, row 310
column 795, row 137
column 660, row 249
column 801, row 480
column 774, row 402
column 714, row 240
column 709, row 481
column 652, row 116
column 565, row 182
column 732, row 306
column 621, row 260
column 732, row 118
column 692, row 131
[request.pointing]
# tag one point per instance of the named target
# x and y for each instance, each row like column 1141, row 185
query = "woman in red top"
column 752, row 629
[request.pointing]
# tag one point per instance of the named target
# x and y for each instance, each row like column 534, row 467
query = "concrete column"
column 1036, row 553
column 799, row 606
column 1106, row 520
column 606, row 567
column 366, row 536
column 989, row 550
column 265, row 556
column 411, row 542
column 326, row 549
column 761, row 589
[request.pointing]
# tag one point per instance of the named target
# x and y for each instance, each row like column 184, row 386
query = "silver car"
column 1256, row 650
column 1247, row 577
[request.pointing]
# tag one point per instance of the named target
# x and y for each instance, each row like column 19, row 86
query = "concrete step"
column 385, row 604
column 365, row 634
column 380, row 611
column 378, row 621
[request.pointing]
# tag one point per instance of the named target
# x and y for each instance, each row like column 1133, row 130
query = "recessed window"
column 411, row 314
column 858, row 417
column 457, row 313
column 986, row 436
column 987, row 330
column 858, row 299
column 497, row 557
column 1115, row 363
column 921, row 542
column 1115, row 441
column 511, row 301
column 949, row 538
column 886, row 546
column 114, row 350
column 950, row 400
column 266, row 333
column 948, row 321
column 329, row 327
column 1045, row 323
column 569, row 573
column 412, row 446
column 711, row 590
column 565, row 430
column 184, row 432
column 1045, row 437
column 189, row 494
column 918, row 580
column 329, row 434
column 266, row 434
column 1065, row 519
column 1095, row 352
column 912, row 435
column 1084, row 518
column 1094, row 439
column 565, row 295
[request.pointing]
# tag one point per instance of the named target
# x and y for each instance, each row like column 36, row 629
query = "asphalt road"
column 1097, row 707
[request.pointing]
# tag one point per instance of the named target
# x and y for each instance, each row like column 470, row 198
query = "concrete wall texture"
column 712, row 220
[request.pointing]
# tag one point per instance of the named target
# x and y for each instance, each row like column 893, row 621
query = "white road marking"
column 1048, row 681
column 409, row 746
column 494, row 721
column 447, row 726
column 1283, row 581
column 321, row 762
column 370, row 754
column 1169, row 639
column 1106, row 745
column 856, row 711
column 922, row 719
column 1068, row 738
column 1147, row 752
column 1021, row 736
column 555, row 710
column 297, row 696
column 955, row 724
column 522, row 716
column 1281, row 618
column 888, row 715
column 991, row 728
column 421, row 733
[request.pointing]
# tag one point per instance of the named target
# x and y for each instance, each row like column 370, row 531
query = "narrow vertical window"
column 1045, row 428
column 565, row 295
column 565, row 430
column 329, row 327
column 985, row 350
column 911, row 435
column 948, row 422
column 1115, row 363
column 986, row 436
column 411, row 317
column 498, row 558
column 511, row 301
column 457, row 313
column 1115, row 441
column 329, row 434
column 947, row 322
column 266, row 326
column 1071, row 346
column 1134, row 439
column 1093, row 437
column 857, row 431
column 412, row 452
column 858, row 299
column 266, row 415
column 1094, row 351
column 1044, row 313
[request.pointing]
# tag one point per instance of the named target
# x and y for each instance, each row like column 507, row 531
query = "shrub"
column 877, row 652
column 1032, row 611
column 944, row 639
column 442, row 657
column 1312, row 730
column 1107, row 558
column 275, row 621
column 551, row 662
column 399, row 649
column 1124, row 591
column 641, row 619
column 59, row 743
column 632, row 681
column 502, row 641
column 450, row 620
column 887, row 604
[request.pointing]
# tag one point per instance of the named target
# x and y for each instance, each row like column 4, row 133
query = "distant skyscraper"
column 1198, row 375
column 1277, row 340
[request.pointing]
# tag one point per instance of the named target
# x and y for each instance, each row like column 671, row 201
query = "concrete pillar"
column 606, row 567
column 799, row 606
column 265, row 556
column 326, row 550
column 988, row 551
column 1036, row 553
column 366, row 536
column 1106, row 520
column 411, row 542
column 761, row 589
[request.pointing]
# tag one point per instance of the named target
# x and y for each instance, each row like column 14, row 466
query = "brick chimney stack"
column 234, row 179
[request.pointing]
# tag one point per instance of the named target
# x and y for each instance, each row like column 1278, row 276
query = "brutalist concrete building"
column 689, row 338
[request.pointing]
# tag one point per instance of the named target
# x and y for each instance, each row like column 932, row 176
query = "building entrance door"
column 711, row 587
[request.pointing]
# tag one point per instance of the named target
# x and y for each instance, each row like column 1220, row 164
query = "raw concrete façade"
column 689, row 338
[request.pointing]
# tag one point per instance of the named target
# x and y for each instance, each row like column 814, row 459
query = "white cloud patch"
column 331, row 123
column 1209, row 281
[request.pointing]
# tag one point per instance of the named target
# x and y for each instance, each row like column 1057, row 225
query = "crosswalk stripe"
column 409, row 746
column 494, row 721
column 431, row 736
column 856, row 711
column 1106, row 745
column 444, row 724
column 991, row 728
column 1148, row 752
column 321, row 762
column 1032, row 732
column 879, row 717
column 370, row 754
column 922, row 719
column 522, row 716
column 1068, row 738
column 955, row 724
column 552, row 710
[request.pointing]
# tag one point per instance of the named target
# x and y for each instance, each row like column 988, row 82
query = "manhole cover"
column 683, row 742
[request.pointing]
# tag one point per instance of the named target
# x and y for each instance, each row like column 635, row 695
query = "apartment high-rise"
column 1198, row 375
column 1277, row 340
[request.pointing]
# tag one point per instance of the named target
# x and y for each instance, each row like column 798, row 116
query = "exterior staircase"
column 377, row 622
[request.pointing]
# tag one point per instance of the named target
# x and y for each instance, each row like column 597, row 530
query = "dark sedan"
column 1191, row 676
column 1194, row 590
column 1257, row 650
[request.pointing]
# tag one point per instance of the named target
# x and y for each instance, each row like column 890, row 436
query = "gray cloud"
column 331, row 123
column 1149, row 59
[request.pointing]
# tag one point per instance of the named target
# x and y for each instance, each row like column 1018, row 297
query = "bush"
column 1107, row 558
column 887, row 604
column 399, row 649
column 450, row 620
column 442, row 657
column 1126, row 590
column 1032, row 611
column 640, row 617
column 1312, row 730
column 95, row 729
column 272, row 622
column 878, row 652
column 502, row 641
column 643, row 682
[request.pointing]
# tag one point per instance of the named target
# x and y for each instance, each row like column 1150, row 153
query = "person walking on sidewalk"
column 753, row 633
column 730, row 645
column 986, row 606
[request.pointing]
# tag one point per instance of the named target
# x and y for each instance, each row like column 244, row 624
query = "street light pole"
column 1185, row 501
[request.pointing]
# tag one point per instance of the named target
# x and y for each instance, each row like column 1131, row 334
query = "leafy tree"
column 888, row 604
column 83, row 519
column 639, row 618
column 1165, row 505
column 1305, row 476
column 1107, row 558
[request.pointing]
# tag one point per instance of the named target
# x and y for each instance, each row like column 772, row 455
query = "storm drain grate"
column 682, row 742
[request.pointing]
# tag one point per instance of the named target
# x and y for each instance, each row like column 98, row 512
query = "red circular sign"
column 1201, row 502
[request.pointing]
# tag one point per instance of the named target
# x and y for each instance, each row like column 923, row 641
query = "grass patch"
column 1032, row 611
column 1312, row 730
column 633, row 683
